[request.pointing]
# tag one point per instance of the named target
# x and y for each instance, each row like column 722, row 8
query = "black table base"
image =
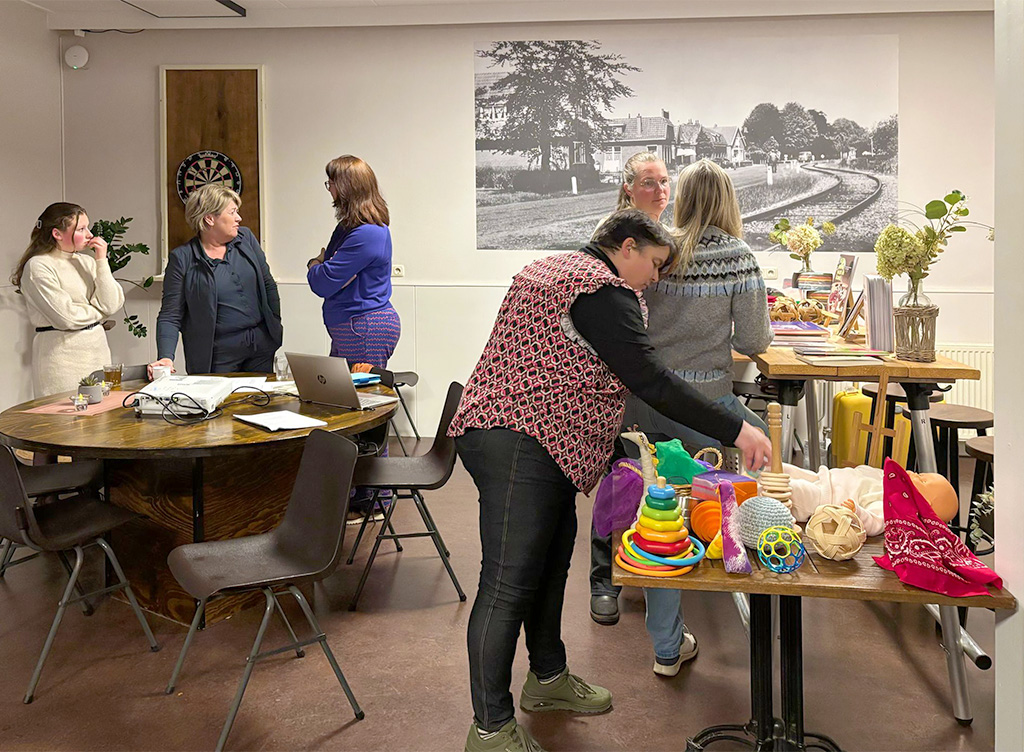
column 764, row 732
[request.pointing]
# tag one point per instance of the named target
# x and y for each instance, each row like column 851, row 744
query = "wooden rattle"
column 776, row 483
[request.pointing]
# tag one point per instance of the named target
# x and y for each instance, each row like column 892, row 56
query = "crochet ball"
column 781, row 550
column 759, row 514
column 836, row 532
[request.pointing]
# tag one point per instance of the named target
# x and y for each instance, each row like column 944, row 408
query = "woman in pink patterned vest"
column 536, row 425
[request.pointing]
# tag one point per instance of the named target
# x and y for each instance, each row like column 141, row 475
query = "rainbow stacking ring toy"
column 658, row 545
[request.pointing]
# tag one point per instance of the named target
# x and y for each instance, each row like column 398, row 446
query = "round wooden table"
column 213, row 480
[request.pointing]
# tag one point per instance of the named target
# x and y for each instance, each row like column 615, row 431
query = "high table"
column 793, row 377
column 214, row 480
column 856, row 579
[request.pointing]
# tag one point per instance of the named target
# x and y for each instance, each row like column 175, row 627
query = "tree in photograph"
column 558, row 92
column 822, row 146
column 885, row 138
column 763, row 123
column 799, row 131
column 846, row 133
column 704, row 145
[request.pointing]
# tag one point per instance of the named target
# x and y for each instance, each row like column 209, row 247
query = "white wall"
column 402, row 98
column 30, row 171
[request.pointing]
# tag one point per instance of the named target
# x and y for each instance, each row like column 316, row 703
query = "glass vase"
column 914, row 317
column 805, row 268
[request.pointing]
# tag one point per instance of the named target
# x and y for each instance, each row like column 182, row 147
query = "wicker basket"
column 915, row 332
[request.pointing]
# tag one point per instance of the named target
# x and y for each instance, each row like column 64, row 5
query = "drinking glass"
column 112, row 375
column 282, row 371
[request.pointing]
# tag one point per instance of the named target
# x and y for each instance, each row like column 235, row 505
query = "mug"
column 160, row 372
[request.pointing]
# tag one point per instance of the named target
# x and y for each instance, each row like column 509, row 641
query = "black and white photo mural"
column 806, row 127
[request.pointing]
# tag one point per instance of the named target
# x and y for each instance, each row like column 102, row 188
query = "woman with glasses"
column 645, row 185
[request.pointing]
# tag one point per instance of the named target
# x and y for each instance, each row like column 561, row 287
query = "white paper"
column 280, row 420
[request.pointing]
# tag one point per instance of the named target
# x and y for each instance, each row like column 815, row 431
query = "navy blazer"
column 189, row 304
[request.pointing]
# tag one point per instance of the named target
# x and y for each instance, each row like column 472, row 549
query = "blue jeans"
column 664, row 621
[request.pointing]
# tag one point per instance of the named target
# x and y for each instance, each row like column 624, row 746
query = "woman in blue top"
column 353, row 273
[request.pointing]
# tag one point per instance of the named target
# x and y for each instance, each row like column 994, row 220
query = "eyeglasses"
column 327, row 184
column 649, row 184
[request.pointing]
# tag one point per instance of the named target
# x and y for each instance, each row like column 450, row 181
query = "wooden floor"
column 875, row 674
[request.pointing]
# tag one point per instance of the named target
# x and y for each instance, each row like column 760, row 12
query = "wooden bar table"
column 856, row 579
column 792, row 375
column 214, row 480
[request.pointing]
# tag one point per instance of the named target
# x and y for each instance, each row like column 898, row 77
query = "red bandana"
column 921, row 548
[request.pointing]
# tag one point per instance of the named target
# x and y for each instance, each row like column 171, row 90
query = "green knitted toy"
column 675, row 463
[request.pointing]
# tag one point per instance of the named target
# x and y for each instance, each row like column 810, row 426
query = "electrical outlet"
column 770, row 272
column 397, row 270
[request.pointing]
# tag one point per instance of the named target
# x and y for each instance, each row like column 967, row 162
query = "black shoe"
column 604, row 609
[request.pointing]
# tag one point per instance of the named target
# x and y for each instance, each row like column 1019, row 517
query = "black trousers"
column 527, row 531
column 247, row 351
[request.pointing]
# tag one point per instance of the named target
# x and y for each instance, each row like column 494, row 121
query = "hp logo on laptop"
column 320, row 377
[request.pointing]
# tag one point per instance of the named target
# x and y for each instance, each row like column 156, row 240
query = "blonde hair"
column 705, row 197
column 58, row 216
column 212, row 198
column 629, row 171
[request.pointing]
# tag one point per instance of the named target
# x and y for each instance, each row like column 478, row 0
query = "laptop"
column 327, row 381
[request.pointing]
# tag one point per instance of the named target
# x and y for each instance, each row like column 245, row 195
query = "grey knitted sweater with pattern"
column 702, row 313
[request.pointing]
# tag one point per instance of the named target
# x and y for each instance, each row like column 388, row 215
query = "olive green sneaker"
column 567, row 692
column 510, row 738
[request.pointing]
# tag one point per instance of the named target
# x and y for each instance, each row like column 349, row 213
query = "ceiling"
column 171, row 14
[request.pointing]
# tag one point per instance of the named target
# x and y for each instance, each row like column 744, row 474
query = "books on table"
column 878, row 313
column 789, row 333
column 840, row 360
column 841, row 285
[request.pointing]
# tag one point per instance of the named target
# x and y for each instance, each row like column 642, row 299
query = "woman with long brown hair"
column 353, row 273
column 68, row 293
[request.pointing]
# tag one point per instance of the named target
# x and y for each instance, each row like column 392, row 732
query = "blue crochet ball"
column 781, row 550
column 759, row 513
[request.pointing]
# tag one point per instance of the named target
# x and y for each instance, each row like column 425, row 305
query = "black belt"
column 55, row 329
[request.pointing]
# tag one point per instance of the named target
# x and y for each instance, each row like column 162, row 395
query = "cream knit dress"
column 68, row 291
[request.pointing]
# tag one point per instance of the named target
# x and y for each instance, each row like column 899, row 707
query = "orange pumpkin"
column 706, row 520
column 939, row 493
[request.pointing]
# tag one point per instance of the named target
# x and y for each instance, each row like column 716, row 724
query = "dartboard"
column 205, row 167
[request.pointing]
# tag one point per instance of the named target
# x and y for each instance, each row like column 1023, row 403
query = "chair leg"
column 388, row 524
column 6, row 554
column 398, row 436
column 299, row 652
column 68, row 590
column 953, row 447
column 362, row 528
column 373, row 555
column 432, row 525
column 86, row 606
column 153, row 645
column 250, row 663
column 405, row 408
column 322, row 638
column 438, row 543
column 200, row 610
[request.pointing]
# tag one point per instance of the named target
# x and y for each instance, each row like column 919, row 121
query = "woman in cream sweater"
column 68, row 294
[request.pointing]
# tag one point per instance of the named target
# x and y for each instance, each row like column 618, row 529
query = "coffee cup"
column 160, row 372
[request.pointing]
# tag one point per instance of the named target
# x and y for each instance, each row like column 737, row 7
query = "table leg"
column 759, row 732
column 917, row 399
column 813, row 434
column 790, row 393
column 792, row 667
column 198, row 514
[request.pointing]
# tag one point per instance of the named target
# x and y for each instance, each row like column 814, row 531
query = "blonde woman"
column 219, row 294
column 645, row 185
column 68, row 294
column 711, row 303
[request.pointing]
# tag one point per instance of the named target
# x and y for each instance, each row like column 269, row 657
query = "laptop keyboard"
column 368, row 401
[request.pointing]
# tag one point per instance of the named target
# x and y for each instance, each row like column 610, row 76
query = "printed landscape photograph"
column 804, row 126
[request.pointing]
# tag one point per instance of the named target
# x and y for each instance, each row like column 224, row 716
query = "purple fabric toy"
column 733, row 552
column 618, row 497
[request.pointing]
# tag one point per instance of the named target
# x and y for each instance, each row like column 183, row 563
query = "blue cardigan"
column 189, row 303
column 355, row 277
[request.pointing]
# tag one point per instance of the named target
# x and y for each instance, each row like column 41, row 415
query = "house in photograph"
column 695, row 141
column 630, row 135
column 735, row 145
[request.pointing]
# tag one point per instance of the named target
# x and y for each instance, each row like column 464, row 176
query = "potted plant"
column 91, row 388
column 118, row 255
column 801, row 241
column 906, row 247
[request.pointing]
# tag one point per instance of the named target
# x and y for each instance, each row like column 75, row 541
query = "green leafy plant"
column 801, row 240
column 88, row 381
column 118, row 256
column 906, row 247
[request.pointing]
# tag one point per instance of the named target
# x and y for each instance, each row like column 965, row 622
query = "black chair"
column 303, row 549
column 411, row 475
column 66, row 524
column 396, row 380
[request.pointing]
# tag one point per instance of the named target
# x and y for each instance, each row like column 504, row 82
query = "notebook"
column 327, row 381
column 281, row 420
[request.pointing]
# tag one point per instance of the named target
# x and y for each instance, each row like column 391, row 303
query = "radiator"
column 973, row 393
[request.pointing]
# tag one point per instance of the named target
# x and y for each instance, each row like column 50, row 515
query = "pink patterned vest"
column 539, row 377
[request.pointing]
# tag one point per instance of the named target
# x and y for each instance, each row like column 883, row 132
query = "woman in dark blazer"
column 219, row 293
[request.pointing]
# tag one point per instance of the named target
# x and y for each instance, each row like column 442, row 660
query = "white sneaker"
column 687, row 652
